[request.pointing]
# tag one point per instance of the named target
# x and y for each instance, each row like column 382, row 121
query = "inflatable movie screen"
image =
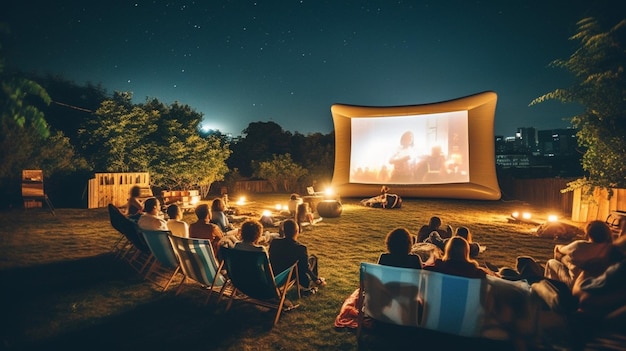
column 439, row 150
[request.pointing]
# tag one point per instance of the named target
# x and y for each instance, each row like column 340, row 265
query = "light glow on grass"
column 241, row 201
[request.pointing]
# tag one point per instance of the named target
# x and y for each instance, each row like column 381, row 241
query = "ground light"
column 527, row 217
column 522, row 217
column 266, row 218
column 241, row 201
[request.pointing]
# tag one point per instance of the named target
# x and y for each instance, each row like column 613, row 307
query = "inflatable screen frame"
column 481, row 182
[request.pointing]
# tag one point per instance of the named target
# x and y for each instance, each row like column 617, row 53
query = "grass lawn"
column 63, row 289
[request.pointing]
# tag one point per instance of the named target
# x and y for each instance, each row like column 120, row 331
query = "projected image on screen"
column 414, row 149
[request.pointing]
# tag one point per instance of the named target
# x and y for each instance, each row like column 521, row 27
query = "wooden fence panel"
column 253, row 186
column 545, row 192
column 114, row 188
column 600, row 207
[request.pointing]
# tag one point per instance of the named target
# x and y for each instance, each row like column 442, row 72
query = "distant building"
column 544, row 153
column 558, row 142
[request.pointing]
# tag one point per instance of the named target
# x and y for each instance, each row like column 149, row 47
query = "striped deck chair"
column 135, row 250
column 198, row 263
column 388, row 294
column 452, row 304
column 165, row 265
column 250, row 273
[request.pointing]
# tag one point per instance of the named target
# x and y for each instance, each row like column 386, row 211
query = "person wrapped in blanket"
column 383, row 200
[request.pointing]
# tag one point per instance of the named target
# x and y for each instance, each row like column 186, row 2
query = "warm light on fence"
column 553, row 218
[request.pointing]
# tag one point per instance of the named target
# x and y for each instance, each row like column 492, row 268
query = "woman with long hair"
column 456, row 260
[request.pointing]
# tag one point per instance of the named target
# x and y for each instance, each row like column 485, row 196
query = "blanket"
column 387, row 201
column 348, row 316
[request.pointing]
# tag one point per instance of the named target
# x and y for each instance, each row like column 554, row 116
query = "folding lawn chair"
column 199, row 264
column 165, row 264
column 250, row 273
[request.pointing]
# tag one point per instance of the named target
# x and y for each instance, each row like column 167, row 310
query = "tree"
column 116, row 139
column 186, row 158
column 281, row 172
column 600, row 86
column 319, row 157
column 157, row 138
column 261, row 141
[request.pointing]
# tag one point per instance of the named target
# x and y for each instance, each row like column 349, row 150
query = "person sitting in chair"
column 284, row 252
column 398, row 242
column 219, row 218
column 250, row 231
column 204, row 229
column 176, row 224
column 456, row 260
column 152, row 218
column 585, row 258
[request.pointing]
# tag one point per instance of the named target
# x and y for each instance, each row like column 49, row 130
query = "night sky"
column 238, row 62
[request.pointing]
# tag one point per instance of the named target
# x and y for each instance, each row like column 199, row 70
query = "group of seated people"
column 283, row 252
column 590, row 272
column 213, row 224
column 593, row 269
column 433, row 233
column 456, row 258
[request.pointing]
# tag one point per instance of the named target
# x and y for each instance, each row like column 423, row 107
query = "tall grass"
column 62, row 287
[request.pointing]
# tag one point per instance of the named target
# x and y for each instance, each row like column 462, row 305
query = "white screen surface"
column 414, row 149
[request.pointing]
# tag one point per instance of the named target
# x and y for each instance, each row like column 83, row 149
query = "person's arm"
column 557, row 253
column 217, row 232
column 563, row 250
column 133, row 201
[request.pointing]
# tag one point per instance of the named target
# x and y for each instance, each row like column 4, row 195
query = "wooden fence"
column 252, row 186
column 544, row 192
column 114, row 188
column 599, row 207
